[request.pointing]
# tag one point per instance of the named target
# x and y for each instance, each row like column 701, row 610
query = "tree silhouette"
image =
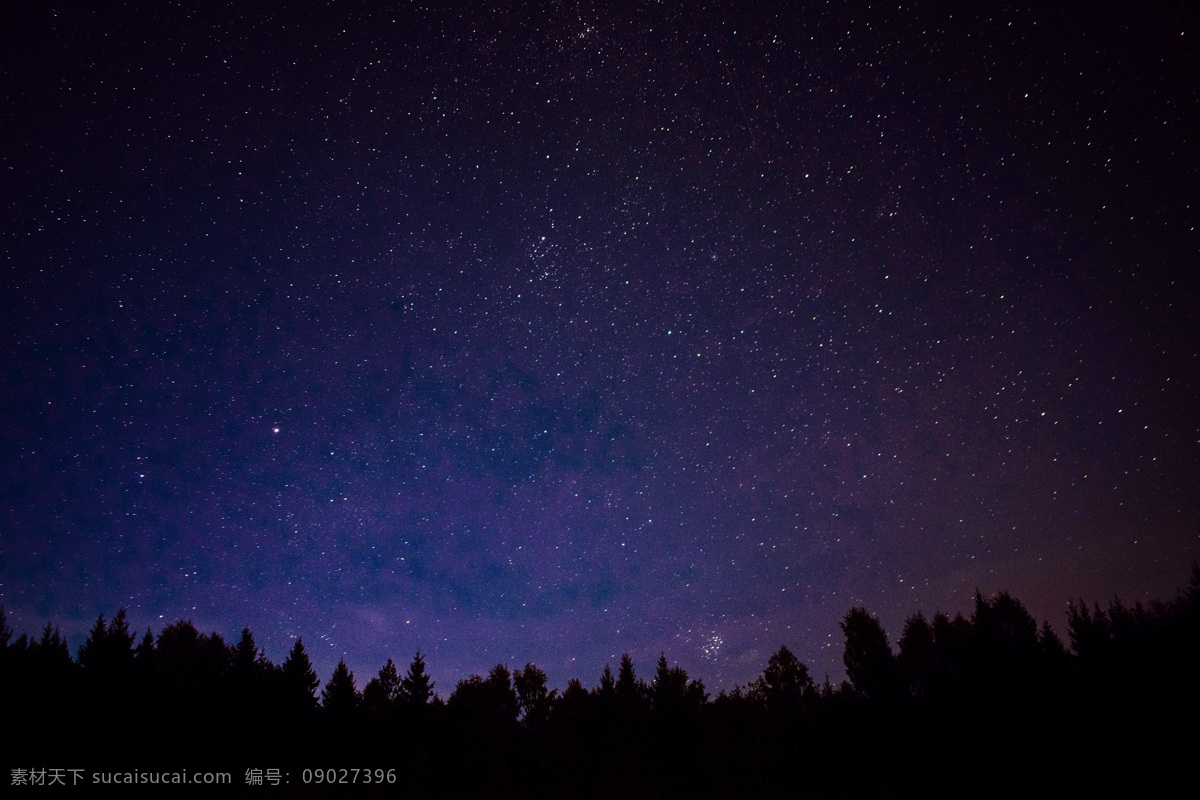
column 492, row 701
column 867, row 655
column 532, row 696
column 50, row 651
column 299, row 681
column 1052, row 648
column 1129, row 627
column 191, row 664
column 628, row 689
column 51, row 674
column 1088, row 630
column 142, row 669
column 608, row 684
column 917, row 661
column 573, row 706
column 145, row 648
column 502, row 694
column 784, row 683
column 247, row 674
column 1005, row 637
column 105, row 660
column 91, row 653
column 381, row 695
column 416, row 688
column 120, row 639
column 246, row 655
column 669, row 687
column 340, row 698
column 484, row 712
column 952, row 640
column 191, row 676
column 508, row 734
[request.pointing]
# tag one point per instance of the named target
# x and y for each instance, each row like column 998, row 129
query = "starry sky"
column 544, row 332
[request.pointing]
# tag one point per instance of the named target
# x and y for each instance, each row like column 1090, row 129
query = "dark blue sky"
column 525, row 333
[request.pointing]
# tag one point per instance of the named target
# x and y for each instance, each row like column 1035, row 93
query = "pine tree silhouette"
column 608, row 684
column 669, row 687
column 628, row 689
column 91, row 653
column 416, row 688
column 340, row 698
column 299, row 681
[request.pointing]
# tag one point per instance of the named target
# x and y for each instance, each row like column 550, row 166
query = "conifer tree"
column 340, row 697
column 91, row 653
column 51, row 672
column 143, row 662
column 608, row 684
column 250, row 674
column 299, row 679
column 416, row 688
column 668, row 687
column 245, row 655
column 145, row 649
column 120, row 639
column 627, row 690
column 50, row 651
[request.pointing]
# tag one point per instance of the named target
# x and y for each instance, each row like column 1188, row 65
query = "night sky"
column 545, row 332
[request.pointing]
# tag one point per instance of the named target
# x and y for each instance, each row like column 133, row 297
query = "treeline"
column 985, row 705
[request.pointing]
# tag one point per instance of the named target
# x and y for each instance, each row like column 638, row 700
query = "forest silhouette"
column 988, row 705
